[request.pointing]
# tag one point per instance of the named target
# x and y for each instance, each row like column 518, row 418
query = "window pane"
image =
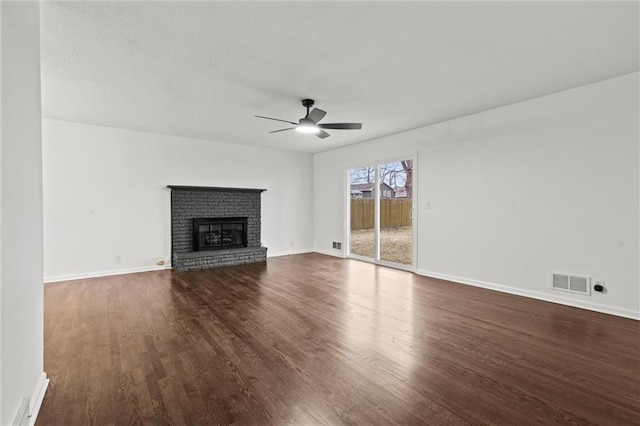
column 362, row 188
column 396, row 227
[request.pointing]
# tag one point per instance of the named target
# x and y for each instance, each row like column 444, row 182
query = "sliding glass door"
column 381, row 213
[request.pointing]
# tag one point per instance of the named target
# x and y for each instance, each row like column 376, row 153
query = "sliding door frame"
column 414, row 223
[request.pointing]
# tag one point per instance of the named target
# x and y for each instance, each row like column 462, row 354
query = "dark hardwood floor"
column 311, row 339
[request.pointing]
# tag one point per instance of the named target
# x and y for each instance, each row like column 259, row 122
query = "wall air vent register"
column 571, row 283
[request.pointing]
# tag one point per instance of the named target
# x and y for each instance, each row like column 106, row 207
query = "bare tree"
column 407, row 165
column 363, row 175
column 389, row 173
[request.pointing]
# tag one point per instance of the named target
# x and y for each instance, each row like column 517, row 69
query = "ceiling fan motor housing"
column 306, row 122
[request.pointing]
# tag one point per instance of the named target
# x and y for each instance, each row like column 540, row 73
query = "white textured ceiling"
column 204, row 69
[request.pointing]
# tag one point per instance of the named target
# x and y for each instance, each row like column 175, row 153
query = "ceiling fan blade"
column 322, row 134
column 276, row 119
column 316, row 115
column 282, row 130
column 341, row 126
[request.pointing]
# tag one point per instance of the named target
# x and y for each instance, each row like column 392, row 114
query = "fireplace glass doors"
column 219, row 233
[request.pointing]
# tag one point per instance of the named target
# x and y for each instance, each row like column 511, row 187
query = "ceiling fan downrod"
column 307, row 103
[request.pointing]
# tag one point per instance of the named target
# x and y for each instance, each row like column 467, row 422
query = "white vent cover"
column 571, row 283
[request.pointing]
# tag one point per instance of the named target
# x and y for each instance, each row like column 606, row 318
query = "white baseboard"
column 105, row 273
column 21, row 417
column 86, row 275
column 289, row 253
column 37, row 397
column 334, row 253
column 562, row 300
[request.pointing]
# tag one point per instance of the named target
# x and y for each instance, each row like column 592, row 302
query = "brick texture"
column 189, row 204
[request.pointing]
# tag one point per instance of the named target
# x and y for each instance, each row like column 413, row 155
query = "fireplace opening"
column 219, row 233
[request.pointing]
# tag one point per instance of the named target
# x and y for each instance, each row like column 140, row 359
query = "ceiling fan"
column 309, row 123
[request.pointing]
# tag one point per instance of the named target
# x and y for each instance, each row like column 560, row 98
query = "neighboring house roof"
column 364, row 187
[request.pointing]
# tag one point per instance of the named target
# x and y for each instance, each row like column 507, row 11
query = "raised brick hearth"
column 197, row 202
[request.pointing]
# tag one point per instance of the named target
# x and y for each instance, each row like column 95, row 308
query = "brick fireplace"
column 213, row 226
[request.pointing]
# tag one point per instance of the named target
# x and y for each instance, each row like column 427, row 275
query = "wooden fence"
column 393, row 213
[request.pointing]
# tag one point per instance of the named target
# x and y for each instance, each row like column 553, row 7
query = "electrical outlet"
column 599, row 287
column 339, row 246
column 117, row 259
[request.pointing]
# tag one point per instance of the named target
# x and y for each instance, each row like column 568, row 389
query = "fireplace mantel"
column 213, row 188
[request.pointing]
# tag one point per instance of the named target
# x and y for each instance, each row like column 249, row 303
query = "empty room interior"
column 320, row 213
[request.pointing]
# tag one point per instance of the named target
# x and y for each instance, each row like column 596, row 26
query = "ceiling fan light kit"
column 307, row 126
column 309, row 123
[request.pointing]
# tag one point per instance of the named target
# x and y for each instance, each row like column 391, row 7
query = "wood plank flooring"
column 312, row 339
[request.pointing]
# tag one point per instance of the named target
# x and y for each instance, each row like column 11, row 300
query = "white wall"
column 21, row 301
column 550, row 184
column 105, row 195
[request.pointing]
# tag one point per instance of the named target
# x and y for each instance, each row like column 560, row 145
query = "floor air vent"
column 571, row 283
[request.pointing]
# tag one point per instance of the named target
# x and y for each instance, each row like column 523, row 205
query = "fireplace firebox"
column 219, row 233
